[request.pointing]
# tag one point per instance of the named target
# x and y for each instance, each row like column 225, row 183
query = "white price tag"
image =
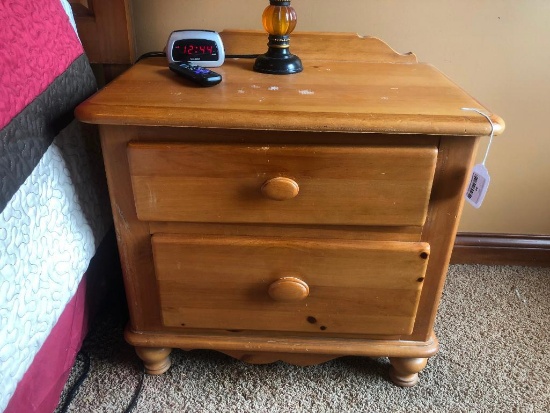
column 478, row 185
column 479, row 182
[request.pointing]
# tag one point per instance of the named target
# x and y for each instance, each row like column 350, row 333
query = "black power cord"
column 150, row 54
column 75, row 387
column 229, row 56
column 137, row 392
column 241, row 56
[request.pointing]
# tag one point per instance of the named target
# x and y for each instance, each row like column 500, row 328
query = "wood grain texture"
column 252, row 357
column 338, row 185
column 289, row 344
column 318, row 46
column 156, row 361
column 372, row 97
column 353, row 287
column 455, row 161
column 374, row 154
column 106, row 30
column 288, row 289
column 183, row 134
column 280, row 188
column 133, row 236
column 405, row 234
column 404, row 370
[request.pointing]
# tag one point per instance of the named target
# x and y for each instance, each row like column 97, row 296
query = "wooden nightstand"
column 297, row 218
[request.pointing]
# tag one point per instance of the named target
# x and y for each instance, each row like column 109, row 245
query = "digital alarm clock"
column 201, row 47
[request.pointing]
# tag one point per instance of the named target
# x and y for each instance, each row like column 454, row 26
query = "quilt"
column 54, row 208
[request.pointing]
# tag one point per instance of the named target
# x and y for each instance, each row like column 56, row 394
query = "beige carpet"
column 493, row 328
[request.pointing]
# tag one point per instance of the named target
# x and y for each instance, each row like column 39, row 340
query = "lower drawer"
column 299, row 285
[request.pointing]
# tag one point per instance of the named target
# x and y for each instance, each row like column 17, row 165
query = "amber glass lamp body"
column 279, row 20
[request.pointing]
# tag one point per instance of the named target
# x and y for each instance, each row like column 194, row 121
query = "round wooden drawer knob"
column 288, row 289
column 280, row 189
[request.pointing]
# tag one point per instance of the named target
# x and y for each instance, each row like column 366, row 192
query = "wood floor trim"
column 501, row 249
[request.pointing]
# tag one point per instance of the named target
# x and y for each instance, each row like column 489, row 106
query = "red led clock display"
column 195, row 49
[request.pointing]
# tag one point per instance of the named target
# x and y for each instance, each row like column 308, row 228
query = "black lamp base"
column 278, row 60
column 286, row 65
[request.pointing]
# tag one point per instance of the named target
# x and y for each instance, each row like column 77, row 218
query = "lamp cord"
column 75, row 387
column 150, row 54
column 229, row 56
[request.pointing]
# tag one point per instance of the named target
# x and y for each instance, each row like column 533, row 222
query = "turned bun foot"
column 156, row 360
column 404, row 371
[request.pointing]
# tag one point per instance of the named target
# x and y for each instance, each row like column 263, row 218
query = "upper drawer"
column 282, row 184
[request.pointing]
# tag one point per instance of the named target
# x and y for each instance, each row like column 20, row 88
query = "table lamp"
column 279, row 20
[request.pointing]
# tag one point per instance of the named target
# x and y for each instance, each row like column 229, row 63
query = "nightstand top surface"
column 392, row 94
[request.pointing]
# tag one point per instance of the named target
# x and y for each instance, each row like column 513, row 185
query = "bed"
column 54, row 209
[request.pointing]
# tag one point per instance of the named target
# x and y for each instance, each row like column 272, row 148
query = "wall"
column 498, row 51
